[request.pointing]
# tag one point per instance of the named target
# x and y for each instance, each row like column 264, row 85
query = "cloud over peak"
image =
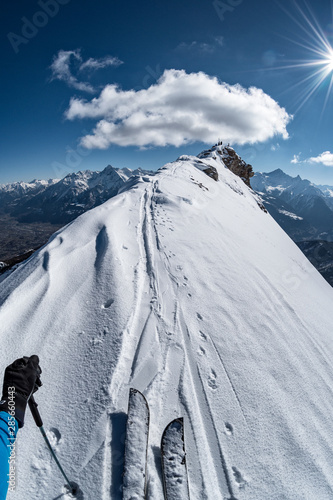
column 178, row 109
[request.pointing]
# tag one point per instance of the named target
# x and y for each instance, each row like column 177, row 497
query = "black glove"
column 21, row 380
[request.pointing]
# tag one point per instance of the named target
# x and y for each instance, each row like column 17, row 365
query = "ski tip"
column 176, row 424
column 133, row 392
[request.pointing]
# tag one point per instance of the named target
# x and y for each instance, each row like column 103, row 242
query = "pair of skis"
column 174, row 471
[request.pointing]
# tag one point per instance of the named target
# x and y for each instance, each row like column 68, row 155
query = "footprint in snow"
column 199, row 316
column 108, row 304
column 203, row 335
column 54, row 436
column 228, row 429
column 212, row 380
column 201, row 351
column 239, row 478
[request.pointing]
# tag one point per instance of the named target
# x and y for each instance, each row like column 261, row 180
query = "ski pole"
column 38, row 420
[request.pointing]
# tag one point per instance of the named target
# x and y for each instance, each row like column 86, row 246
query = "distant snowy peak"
column 327, row 190
column 25, row 186
column 303, row 209
column 83, row 181
column 61, row 201
column 126, row 173
column 16, row 189
column 280, row 181
column 71, row 196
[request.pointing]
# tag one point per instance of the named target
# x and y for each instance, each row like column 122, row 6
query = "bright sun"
column 319, row 65
column 330, row 61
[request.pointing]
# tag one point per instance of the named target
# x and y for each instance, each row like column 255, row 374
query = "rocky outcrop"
column 230, row 159
column 212, row 172
column 236, row 164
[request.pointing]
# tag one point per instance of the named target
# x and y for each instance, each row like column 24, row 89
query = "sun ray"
column 320, row 62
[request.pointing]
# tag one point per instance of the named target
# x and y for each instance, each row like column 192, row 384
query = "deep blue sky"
column 244, row 45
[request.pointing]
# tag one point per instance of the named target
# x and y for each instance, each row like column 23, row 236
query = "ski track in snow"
column 159, row 310
column 163, row 314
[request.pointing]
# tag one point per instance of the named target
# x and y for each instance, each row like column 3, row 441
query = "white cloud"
column 178, row 109
column 68, row 61
column 326, row 158
column 104, row 62
column 61, row 70
column 296, row 159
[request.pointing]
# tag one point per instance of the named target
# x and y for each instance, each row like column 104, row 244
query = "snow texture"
column 290, row 214
column 137, row 430
column 181, row 287
column 174, row 461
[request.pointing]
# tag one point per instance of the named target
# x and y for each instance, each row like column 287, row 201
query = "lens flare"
column 330, row 61
column 319, row 65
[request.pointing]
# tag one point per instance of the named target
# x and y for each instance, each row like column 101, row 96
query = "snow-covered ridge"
column 183, row 288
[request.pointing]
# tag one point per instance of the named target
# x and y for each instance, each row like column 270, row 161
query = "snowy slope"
column 181, row 287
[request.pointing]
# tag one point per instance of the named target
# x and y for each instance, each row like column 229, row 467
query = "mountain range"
column 304, row 210
column 60, row 201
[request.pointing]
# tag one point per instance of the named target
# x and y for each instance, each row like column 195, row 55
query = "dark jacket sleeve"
column 8, row 431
